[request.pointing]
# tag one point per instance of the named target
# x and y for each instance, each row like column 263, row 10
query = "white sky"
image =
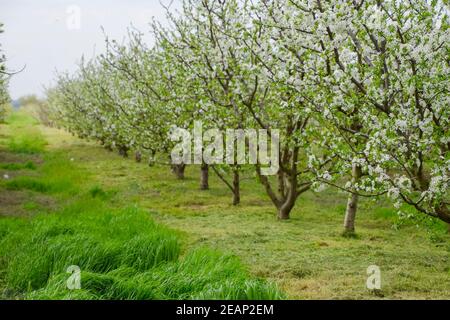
column 37, row 34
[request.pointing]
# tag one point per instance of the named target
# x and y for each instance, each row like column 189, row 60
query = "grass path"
column 306, row 256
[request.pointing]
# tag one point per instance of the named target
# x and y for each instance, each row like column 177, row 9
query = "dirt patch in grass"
column 22, row 203
column 8, row 157
column 11, row 203
column 256, row 202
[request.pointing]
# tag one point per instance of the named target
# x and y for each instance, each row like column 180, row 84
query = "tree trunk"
column 288, row 184
column 352, row 203
column 123, row 151
column 204, row 177
column 236, row 188
column 350, row 213
column 151, row 159
column 284, row 212
column 281, row 184
column 178, row 170
column 285, row 202
column 289, row 199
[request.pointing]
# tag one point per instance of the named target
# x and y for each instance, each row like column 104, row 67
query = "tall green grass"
column 28, row 183
column 122, row 254
column 30, row 141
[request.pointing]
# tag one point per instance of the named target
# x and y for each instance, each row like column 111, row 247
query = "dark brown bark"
column 265, row 182
column 289, row 198
column 443, row 212
column 352, row 203
column 285, row 210
column 123, row 151
column 236, row 188
column 281, row 183
column 204, row 177
column 178, row 170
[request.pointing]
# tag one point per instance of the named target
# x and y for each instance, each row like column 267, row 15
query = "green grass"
column 28, row 142
column 121, row 252
column 27, row 183
column 307, row 257
column 51, row 181
column 98, row 192
column 18, row 166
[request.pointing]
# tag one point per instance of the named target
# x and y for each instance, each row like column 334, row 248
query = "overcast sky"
column 49, row 35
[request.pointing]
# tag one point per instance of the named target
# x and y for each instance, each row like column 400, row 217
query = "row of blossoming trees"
column 358, row 89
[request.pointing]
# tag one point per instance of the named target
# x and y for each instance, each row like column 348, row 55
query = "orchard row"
column 359, row 91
